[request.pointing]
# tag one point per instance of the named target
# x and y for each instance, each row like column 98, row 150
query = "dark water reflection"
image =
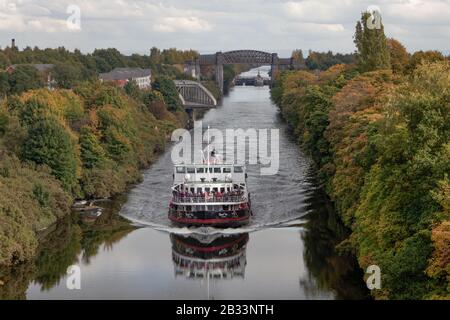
column 271, row 259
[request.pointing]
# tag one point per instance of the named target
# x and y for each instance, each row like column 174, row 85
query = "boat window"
column 217, row 170
column 192, row 190
column 180, row 169
column 222, row 190
column 215, row 189
column 200, row 170
column 207, row 189
column 190, row 170
column 210, row 170
column 238, row 169
column 199, row 190
column 226, row 170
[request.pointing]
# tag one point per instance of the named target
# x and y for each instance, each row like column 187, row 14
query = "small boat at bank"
column 210, row 194
column 87, row 209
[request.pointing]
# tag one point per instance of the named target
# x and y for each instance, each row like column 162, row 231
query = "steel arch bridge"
column 194, row 95
column 247, row 57
column 219, row 59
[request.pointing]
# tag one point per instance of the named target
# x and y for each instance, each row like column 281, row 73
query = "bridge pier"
column 197, row 69
column 219, row 70
column 273, row 69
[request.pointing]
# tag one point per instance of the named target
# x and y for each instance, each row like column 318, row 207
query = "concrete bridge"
column 194, row 95
column 253, row 57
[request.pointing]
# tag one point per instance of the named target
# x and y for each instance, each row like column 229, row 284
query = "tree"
column 23, row 78
column 4, row 83
column 169, row 92
column 297, row 55
column 399, row 55
column 371, row 44
column 158, row 109
column 420, row 57
column 49, row 143
column 155, row 55
column 66, row 75
column 152, row 96
column 4, row 121
column 132, row 90
column 92, row 152
column 4, row 61
column 324, row 60
column 111, row 56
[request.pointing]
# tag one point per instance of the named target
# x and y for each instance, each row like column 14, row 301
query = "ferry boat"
column 259, row 81
column 210, row 194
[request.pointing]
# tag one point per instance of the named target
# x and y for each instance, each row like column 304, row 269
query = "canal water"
column 133, row 252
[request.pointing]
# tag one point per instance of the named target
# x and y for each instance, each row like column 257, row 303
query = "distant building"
column 45, row 69
column 192, row 69
column 120, row 76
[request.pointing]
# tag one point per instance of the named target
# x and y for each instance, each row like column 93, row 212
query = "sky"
column 209, row 26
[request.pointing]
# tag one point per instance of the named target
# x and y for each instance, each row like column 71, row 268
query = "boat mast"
column 209, row 176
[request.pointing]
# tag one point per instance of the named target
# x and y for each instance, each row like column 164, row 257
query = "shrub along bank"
column 59, row 145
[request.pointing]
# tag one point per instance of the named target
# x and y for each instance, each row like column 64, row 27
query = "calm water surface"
column 287, row 251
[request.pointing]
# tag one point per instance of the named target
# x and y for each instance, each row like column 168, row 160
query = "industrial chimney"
column 13, row 43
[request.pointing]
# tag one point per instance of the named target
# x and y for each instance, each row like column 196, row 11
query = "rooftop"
column 39, row 66
column 125, row 74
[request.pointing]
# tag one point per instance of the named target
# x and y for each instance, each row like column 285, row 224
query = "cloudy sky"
column 218, row 25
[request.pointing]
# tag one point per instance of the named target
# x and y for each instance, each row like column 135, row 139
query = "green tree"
column 49, row 143
column 155, row 55
column 169, row 91
column 4, row 61
column 112, row 57
column 92, row 152
column 66, row 75
column 23, row 78
column 4, row 83
column 132, row 90
column 4, row 121
column 372, row 49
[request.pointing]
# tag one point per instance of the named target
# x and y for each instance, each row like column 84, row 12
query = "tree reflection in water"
column 327, row 267
column 63, row 245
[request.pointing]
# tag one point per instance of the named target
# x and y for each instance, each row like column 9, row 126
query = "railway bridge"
column 253, row 57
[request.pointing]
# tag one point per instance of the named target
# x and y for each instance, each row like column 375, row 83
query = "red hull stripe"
column 208, row 221
column 211, row 249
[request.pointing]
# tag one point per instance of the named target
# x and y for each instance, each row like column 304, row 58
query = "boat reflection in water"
column 219, row 256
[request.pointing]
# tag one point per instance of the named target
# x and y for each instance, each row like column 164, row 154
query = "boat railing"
column 207, row 199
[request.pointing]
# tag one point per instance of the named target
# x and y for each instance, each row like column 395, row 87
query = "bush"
column 49, row 143
column 169, row 92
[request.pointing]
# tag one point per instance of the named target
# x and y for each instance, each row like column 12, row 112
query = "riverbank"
column 61, row 145
column 383, row 157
